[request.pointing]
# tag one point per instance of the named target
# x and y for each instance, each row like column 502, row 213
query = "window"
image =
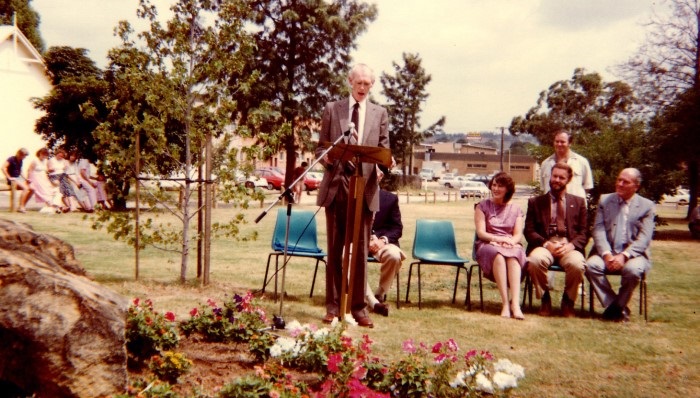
column 476, row 165
column 517, row 167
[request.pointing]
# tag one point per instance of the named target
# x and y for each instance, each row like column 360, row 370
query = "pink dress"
column 500, row 220
column 44, row 190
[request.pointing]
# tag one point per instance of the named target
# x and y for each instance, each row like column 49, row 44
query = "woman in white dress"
column 38, row 175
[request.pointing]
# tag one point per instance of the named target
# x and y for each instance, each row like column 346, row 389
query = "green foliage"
column 169, row 366
column 406, row 91
column 269, row 380
column 27, row 20
column 238, row 320
column 144, row 389
column 302, row 56
column 148, row 332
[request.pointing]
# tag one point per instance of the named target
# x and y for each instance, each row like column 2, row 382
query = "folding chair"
column 527, row 291
column 302, row 242
column 643, row 305
column 435, row 244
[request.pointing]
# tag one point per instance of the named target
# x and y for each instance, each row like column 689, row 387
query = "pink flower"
column 440, row 358
column 409, row 347
column 487, row 355
column 333, row 361
column 211, row 303
column 274, row 394
column 170, row 316
column 452, row 345
column 366, row 344
column 437, row 347
column 360, row 372
column 471, row 354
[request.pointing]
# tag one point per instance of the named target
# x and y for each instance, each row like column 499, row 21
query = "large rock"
column 61, row 334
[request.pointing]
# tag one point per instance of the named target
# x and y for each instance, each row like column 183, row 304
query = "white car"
column 682, row 197
column 252, row 181
column 473, row 188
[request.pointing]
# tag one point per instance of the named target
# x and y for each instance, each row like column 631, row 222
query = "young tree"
column 303, row 55
column 27, row 20
column 666, row 73
column 170, row 89
column 406, row 92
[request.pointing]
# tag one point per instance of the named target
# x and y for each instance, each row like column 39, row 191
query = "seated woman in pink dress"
column 38, row 174
column 499, row 229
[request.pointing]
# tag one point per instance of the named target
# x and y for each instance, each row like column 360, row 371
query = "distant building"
column 22, row 77
column 480, row 160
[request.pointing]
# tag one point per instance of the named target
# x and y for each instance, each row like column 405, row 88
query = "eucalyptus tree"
column 607, row 129
column 76, row 81
column 169, row 87
column 666, row 73
column 405, row 91
column 303, row 56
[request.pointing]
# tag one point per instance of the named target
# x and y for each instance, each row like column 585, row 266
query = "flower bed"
column 300, row 361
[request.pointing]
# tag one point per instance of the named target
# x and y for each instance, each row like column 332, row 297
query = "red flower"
column 194, row 312
column 437, row 347
column 136, row 301
column 333, row 361
column 170, row 316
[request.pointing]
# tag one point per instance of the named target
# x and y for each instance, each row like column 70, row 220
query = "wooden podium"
column 357, row 154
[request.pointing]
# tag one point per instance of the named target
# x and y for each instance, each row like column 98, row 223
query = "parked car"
column 252, row 181
column 455, row 182
column 682, row 197
column 275, row 179
column 473, row 188
column 312, row 180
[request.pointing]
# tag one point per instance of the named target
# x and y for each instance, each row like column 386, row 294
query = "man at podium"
column 367, row 126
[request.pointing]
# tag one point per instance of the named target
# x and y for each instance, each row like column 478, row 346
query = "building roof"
column 11, row 32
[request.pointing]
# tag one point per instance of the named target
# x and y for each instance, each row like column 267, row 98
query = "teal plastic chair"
column 303, row 242
column 435, row 244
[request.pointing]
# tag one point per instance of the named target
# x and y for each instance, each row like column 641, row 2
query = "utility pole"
column 502, row 132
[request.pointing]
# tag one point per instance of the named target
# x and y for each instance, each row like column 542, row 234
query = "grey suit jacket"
column 640, row 225
column 334, row 123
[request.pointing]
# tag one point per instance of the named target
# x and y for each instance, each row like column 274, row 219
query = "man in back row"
column 581, row 181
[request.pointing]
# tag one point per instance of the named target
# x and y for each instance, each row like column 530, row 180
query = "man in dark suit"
column 384, row 246
column 556, row 229
column 624, row 225
column 370, row 123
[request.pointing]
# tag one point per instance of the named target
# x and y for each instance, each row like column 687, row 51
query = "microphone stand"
column 278, row 321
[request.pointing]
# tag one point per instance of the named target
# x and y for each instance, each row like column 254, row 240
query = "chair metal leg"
column 267, row 269
column 398, row 292
column 419, row 288
column 408, row 285
column 454, row 292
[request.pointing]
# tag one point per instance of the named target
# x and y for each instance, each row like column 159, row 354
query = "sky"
column 489, row 59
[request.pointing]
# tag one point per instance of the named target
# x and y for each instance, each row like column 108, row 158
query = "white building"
column 22, row 77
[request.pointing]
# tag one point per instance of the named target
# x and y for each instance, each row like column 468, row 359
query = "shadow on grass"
column 673, row 229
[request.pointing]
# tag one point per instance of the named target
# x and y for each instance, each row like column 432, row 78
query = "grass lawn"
column 582, row 357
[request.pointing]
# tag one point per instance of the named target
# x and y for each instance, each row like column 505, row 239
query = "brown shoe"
column 546, row 306
column 381, row 309
column 328, row 319
column 364, row 321
column 567, row 307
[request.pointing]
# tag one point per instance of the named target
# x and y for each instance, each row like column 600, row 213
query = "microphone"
column 351, row 127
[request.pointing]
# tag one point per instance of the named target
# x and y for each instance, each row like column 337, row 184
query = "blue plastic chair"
column 435, row 244
column 303, row 242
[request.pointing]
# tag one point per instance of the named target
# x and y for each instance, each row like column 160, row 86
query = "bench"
column 12, row 189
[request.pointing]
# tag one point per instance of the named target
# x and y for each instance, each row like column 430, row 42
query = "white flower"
column 458, row 381
column 513, row 369
column 483, row 383
column 335, row 322
column 350, row 320
column 321, row 333
column 293, row 325
column 504, row 380
column 275, row 351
